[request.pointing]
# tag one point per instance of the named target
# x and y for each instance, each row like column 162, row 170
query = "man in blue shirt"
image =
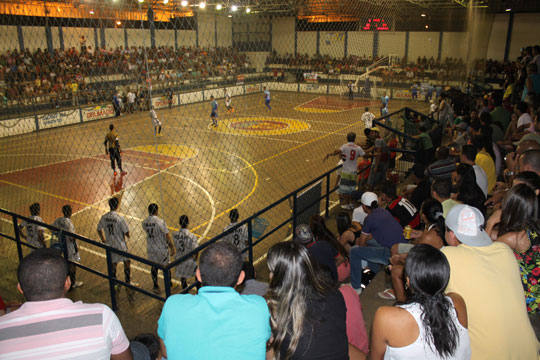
column 213, row 114
column 218, row 322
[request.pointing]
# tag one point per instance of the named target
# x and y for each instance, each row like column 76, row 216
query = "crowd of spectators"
column 81, row 74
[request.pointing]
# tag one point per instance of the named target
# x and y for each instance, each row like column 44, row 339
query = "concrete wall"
column 524, row 33
column 423, row 44
column 497, row 37
column 10, row 39
column 360, row 43
column 454, row 45
column 115, row 38
column 282, row 41
column 257, row 59
column 307, row 42
column 207, row 30
column 392, row 43
column 72, row 35
column 332, row 44
column 224, row 27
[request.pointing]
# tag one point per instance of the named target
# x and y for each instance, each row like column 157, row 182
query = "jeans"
column 376, row 177
column 374, row 255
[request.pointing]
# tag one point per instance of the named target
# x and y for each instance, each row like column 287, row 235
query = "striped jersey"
column 61, row 329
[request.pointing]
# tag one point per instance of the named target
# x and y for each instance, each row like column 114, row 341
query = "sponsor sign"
column 250, row 89
column 17, row 126
column 239, row 79
column 97, row 112
column 62, row 118
column 163, row 102
column 402, row 94
column 189, row 98
column 310, row 77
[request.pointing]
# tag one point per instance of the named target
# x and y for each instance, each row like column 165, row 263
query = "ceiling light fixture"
column 219, row 7
column 423, row 15
column 234, row 8
column 118, row 22
column 202, row 5
column 508, row 9
column 165, row 2
column 91, row 12
column 184, row 3
column 248, row 10
column 427, row 26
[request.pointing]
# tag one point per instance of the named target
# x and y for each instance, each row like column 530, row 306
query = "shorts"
column 347, row 182
column 404, row 248
column 267, row 101
column 156, row 122
column 227, row 103
column 213, row 114
column 161, row 258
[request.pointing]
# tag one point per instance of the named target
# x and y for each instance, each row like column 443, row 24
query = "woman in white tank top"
column 430, row 325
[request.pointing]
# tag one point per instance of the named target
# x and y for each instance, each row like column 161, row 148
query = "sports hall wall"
column 489, row 33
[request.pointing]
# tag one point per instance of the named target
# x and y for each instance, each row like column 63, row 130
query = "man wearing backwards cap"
column 486, row 275
column 380, row 226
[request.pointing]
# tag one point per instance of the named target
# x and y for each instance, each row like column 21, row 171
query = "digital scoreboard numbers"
column 376, row 24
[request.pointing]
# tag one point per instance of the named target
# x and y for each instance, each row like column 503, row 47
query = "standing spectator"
column 485, row 161
column 468, row 156
column 500, row 115
column 349, row 152
column 185, row 242
column 425, row 155
column 116, row 104
column 116, row 232
column 498, row 328
column 223, row 324
column 130, row 101
column 468, row 191
column 35, row 234
column 381, row 158
column 89, row 331
column 158, row 241
column 65, row 223
column 239, row 237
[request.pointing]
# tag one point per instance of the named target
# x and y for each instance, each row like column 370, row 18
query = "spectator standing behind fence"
column 116, row 232
column 222, row 323
column 65, row 223
column 35, row 234
column 158, row 241
column 116, row 104
column 185, row 242
column 381, row 158
column 131, row 101
column 48, row 325
column 238, row 237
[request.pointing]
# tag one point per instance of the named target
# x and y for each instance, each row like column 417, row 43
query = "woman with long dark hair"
column 431, row 325
column 322, row 233
column 468, row 190
column 346, row 231
column 308, row 316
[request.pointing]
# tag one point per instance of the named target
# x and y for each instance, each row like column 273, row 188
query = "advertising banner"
column 62, row 118
column 250, row 89
column 161, row 102
column 310, row 77
column 97, row 112
column 17, row 126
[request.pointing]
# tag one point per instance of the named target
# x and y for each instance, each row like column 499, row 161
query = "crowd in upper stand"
column 67, row 74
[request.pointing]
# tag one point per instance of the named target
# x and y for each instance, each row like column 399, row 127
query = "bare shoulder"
column 461, row 308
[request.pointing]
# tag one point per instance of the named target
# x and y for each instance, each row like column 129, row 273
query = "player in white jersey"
column 35, row 234
column 155, row 122
column 116, row 231
column 367, row 118
column 267, row 98
column 185, row 242
column 238, row 237
column 158, row 241
column 228, row 100
column 350, row 152
column 65, row 223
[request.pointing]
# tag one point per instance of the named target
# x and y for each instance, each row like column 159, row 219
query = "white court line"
column 237, row 134
column 304, row 103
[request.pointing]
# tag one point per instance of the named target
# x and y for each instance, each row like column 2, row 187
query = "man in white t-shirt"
column 131, row 101
column 35, row 234
column 524, row 119
column 349, row 152
column 367, row 118
column 158, row 241
column 116, row 231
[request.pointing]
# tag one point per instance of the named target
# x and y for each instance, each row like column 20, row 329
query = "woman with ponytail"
column 431, row 325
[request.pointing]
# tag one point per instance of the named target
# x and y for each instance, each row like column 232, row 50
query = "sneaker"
column 387, row 294
column 134, row 284
column 77, row 284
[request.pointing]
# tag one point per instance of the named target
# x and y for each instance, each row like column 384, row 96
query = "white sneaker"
column 77, row 284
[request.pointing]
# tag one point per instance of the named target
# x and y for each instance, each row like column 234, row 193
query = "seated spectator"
column 422, row 190
column 430, row 325
column 441, row 191
column 401, row 209
column 322, row 252
column 499, row 328
column 499, row 114
column 530, row 161
column 444, row 165
column 485, row 160
column 308, row 315
column 468, row 156
column 148, row 342
column 223, row 323
column 468, row 191
column 44, row 281
column 347, row 231
column 379, row 233
column 322, row 233
column 251, row 285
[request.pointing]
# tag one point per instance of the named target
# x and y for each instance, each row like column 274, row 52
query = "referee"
column 113, row 149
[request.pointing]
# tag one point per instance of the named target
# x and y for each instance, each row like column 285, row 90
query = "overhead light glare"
column 427, row 26
column 229, row 15
column 508, row 9
column 165, row 2
column 423, row 15
column 248, row 10
column 184, row 3
column 202, row 5
column 219, row 7
column 92, row 12
column 118, row 22
column 234, row 8
column 141, row 1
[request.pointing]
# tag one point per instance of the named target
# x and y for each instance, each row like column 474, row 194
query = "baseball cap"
column 368, row 198
column 374, row 128
column 303, row 234
column 467, row 223
column 528, row 137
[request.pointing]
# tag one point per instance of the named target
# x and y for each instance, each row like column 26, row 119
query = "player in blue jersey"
column 267, row 98
column 213, row 114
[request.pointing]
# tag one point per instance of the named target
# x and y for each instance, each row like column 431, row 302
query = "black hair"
column 389, row 188
column 351, row 137
column 35, row 209
column 183, row 221
column 419, row 171
column 433, row 211
column 67, row 211
column 111, row 127
column 428, row 271
column 113, row 203
column 478, row 142
column 367, row 131
column 422, row 128
column 522, row 106
column 321, row 233
column 497, row 100
column 151, row 342
column 443, row 188
column 468, row 190
column 443, row 152
column 532, row 158
column 234, row 215
column 152, row 209
column 220, row 264
column 469, row 151
column 529, row 178
column 249, row 270
column 519, row 210
column 366, row 108
column 486, row 118
column 343, row 222
column 42, row 275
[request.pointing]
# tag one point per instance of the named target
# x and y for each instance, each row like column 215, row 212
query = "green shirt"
column 500, row 114
column 426, row 141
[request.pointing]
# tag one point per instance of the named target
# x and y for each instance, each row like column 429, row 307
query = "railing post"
column 327, row 206
column 112, row 282
column 167, row 280
column 295, row 204
column 17, row 237
column 250, row 241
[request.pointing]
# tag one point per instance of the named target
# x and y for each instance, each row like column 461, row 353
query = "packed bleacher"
column 89, row 76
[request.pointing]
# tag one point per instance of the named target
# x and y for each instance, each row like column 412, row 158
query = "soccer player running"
column 158, row 241
column 213, row 114
column 228, row 100
column 116, row 231
column 155, row 122
column 267, row 98
column 185, row 242
column 112, row 147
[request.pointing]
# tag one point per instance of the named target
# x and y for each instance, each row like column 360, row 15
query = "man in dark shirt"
column 401, row 209
column 322, row 251
column 422, row 190
column 444, row 165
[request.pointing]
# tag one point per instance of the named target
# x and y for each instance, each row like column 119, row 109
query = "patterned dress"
column 529, row 266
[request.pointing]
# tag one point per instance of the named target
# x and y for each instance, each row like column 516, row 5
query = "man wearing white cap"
column 381, row 230
column 486, row 275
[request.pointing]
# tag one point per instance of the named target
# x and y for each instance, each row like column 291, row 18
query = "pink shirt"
column 356, row 328
column 60, row 328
